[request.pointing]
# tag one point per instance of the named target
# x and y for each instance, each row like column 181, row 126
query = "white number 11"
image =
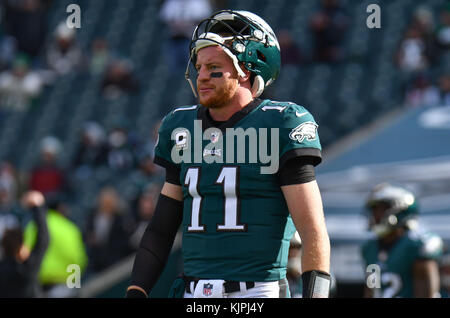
column 228, row 178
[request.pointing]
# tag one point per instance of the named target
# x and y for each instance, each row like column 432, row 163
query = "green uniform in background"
column 236, row 224
column 396, row 263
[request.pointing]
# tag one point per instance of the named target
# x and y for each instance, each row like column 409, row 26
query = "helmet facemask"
column 385, row 224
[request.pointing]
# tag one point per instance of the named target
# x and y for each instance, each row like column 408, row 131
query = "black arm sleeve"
column 156, row 243
column 33, row 262
column 296, row 171
column 172, row 171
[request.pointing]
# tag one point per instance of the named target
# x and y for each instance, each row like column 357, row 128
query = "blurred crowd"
column 34, row 57
column 112, row 223
column 421, row 53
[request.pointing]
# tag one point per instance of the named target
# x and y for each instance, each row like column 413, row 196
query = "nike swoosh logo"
column 300, row 114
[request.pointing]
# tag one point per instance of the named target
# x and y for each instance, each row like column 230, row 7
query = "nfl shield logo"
column 207, row 289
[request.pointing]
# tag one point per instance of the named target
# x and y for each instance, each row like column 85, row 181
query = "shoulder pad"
column 432, row 246
column 280, row 106
column 179, row 112
column 429, row 244
column 287, row 110
column 184, row 108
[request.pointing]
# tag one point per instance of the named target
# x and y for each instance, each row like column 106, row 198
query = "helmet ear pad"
column 258, row 86
column 256, row 81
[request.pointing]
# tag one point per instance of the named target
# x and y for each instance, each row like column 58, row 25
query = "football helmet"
column 247, row 39
column 399, row 206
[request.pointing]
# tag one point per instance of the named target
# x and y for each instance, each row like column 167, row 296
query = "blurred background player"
column 407, row 255
column 19, row 269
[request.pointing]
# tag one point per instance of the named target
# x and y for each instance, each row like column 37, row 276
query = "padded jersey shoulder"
column 284, row 114
column 428, row 244
column 178, row 115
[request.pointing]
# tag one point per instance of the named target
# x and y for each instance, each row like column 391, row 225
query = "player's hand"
column 33, row 199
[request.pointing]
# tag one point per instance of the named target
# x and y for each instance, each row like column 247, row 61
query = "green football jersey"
column 396, row 264
column 236, row 223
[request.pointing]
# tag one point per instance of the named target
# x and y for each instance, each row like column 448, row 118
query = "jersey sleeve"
column 164, row 144
column 299, row 135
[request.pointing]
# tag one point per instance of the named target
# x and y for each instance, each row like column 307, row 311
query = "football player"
column 407, row 255
column 237, row 213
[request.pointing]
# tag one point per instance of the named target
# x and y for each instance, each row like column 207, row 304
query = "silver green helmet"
column 401, row 208
column 247, row 39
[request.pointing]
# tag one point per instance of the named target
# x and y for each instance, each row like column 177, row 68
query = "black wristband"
column 316, row 284
column 135, row 293
column 156, row 243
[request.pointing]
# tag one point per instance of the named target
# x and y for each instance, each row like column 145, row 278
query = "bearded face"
column 215, row 91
